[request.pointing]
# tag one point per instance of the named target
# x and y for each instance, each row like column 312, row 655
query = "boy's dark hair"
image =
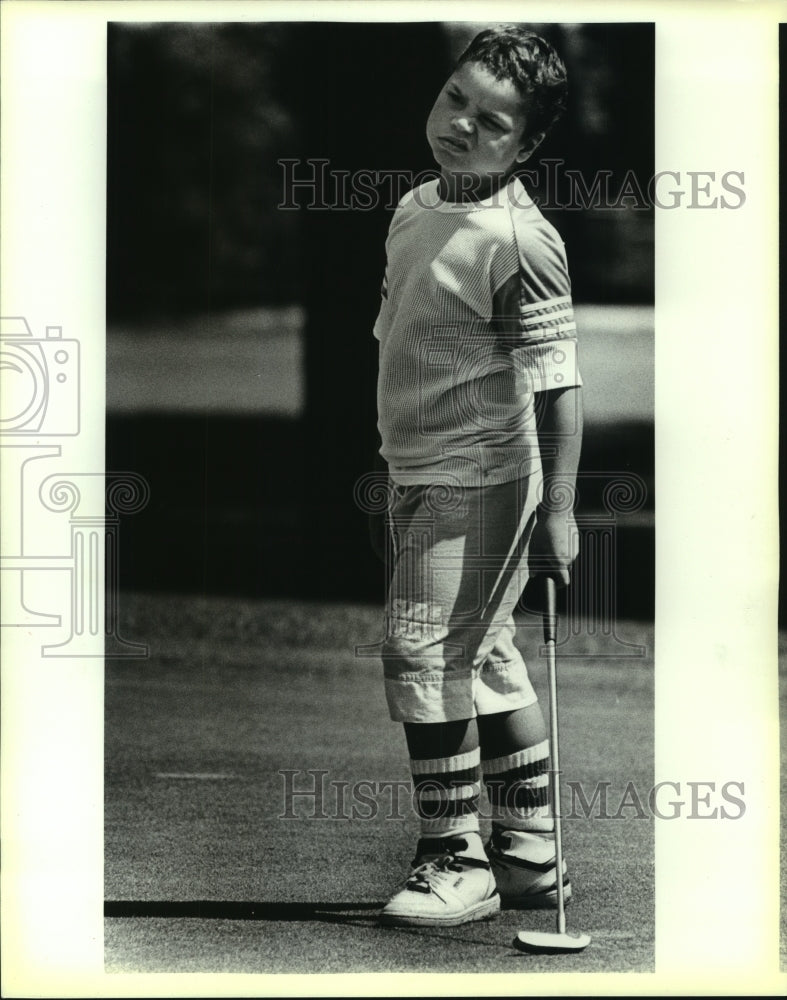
column 513, row 52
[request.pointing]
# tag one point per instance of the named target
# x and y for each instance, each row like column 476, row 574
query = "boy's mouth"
column 453, row 144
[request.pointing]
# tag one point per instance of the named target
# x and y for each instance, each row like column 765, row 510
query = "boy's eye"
column 454, row 96
column 490, row 123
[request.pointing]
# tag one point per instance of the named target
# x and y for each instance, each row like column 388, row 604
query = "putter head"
column 546, row 943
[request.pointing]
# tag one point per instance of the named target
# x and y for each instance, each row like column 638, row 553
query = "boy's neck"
column 470, row 187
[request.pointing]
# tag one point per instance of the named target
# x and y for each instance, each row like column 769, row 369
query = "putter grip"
column 550, row 612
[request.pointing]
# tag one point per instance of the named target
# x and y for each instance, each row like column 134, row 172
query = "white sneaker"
column 447, row 886
column 525, row 869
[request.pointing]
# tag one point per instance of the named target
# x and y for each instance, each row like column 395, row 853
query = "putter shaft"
column 555, row 773
column 550, row 637
column 541, row 941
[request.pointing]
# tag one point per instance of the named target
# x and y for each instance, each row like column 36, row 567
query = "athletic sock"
column 517, row 785
column 447, row 790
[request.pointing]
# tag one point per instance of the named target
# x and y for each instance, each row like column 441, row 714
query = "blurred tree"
column 362, row 93
column 199, row 118
column 195, row 123
column 199, row 115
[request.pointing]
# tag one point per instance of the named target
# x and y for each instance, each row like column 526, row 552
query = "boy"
column 476, row 333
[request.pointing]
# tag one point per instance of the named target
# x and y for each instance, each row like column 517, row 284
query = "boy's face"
column 477, row 124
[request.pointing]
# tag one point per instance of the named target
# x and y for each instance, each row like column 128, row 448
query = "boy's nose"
column 463, row 125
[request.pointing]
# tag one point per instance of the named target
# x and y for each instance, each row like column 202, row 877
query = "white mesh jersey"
column 476, row 317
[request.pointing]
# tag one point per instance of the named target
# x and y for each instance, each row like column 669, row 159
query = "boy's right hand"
column 554, row 546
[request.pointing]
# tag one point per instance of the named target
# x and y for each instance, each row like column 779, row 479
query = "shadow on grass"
column 356, row 913
column 216, row 910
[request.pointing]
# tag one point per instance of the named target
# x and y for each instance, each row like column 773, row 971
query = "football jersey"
column 476, row 317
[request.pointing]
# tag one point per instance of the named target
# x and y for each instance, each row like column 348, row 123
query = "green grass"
column 251, row 361
column 239, row 691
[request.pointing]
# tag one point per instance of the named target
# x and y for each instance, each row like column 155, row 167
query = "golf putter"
column 544, row 942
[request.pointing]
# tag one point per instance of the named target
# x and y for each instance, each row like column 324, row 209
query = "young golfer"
column 479, row 413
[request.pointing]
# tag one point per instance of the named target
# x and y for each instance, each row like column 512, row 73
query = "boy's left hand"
column 554, row 546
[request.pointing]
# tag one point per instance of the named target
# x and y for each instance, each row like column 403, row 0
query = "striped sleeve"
column 534, row 313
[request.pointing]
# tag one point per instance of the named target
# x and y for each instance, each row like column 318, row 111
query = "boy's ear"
column 529, row 146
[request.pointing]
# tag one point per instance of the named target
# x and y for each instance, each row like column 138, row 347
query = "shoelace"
column 421, row 878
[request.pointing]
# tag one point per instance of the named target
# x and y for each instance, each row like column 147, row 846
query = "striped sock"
column 518, row 789
column 447, row 790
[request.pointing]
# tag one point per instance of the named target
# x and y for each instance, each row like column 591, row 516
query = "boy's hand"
column 554, row 545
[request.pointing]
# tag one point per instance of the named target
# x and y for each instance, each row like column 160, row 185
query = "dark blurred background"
column 241, row 367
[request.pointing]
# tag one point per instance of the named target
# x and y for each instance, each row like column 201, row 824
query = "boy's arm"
column 533, row 311
column 555, row 544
